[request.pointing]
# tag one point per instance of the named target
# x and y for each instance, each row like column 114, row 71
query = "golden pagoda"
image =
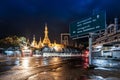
column 40, row 45
column 34, row 42
column 46, row 40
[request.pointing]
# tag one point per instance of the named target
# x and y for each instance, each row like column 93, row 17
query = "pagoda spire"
column 46, row 40
column 34, row 43
column 46, row 30
column 40, row 43
column 33, row 37
column 40, row 40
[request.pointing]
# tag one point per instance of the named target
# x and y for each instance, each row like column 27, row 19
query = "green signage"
column 91, row 24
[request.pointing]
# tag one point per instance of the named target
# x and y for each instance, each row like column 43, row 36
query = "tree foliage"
column 12, row 41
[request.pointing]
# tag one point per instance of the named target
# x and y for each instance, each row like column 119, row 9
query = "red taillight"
column 86, row 52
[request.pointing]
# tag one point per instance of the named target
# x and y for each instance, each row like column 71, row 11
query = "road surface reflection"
column 54, row 68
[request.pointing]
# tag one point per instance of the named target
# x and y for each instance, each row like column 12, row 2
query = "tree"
column 12, row 41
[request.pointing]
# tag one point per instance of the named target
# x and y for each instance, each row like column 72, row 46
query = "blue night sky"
column 27, row 17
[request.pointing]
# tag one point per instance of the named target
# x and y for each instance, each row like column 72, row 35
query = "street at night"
column 59, row 39
column 55, row 68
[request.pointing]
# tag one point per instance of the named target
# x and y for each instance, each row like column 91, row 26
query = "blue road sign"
column 90, row 24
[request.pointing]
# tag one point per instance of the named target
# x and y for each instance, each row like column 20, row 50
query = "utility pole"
column 90, row 48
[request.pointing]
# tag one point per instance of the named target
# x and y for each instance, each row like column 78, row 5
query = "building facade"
column 107, row 42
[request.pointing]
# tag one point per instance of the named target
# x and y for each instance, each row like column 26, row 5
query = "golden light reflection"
column 25, row 63
column 55, row 59
column 57, row 74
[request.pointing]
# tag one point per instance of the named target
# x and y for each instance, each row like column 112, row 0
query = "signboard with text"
column 90, row 24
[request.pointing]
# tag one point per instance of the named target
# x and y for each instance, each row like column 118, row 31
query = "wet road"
column 38, row 68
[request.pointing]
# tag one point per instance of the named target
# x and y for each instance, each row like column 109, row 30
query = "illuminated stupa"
column 46, row 40
column 34, row 42
column 40, row 45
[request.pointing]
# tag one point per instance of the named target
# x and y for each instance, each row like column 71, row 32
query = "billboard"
column 90, row 24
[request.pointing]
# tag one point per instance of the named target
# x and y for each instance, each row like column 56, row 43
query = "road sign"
column 90, row 24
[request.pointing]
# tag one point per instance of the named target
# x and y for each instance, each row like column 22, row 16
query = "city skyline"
column 27, row 18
